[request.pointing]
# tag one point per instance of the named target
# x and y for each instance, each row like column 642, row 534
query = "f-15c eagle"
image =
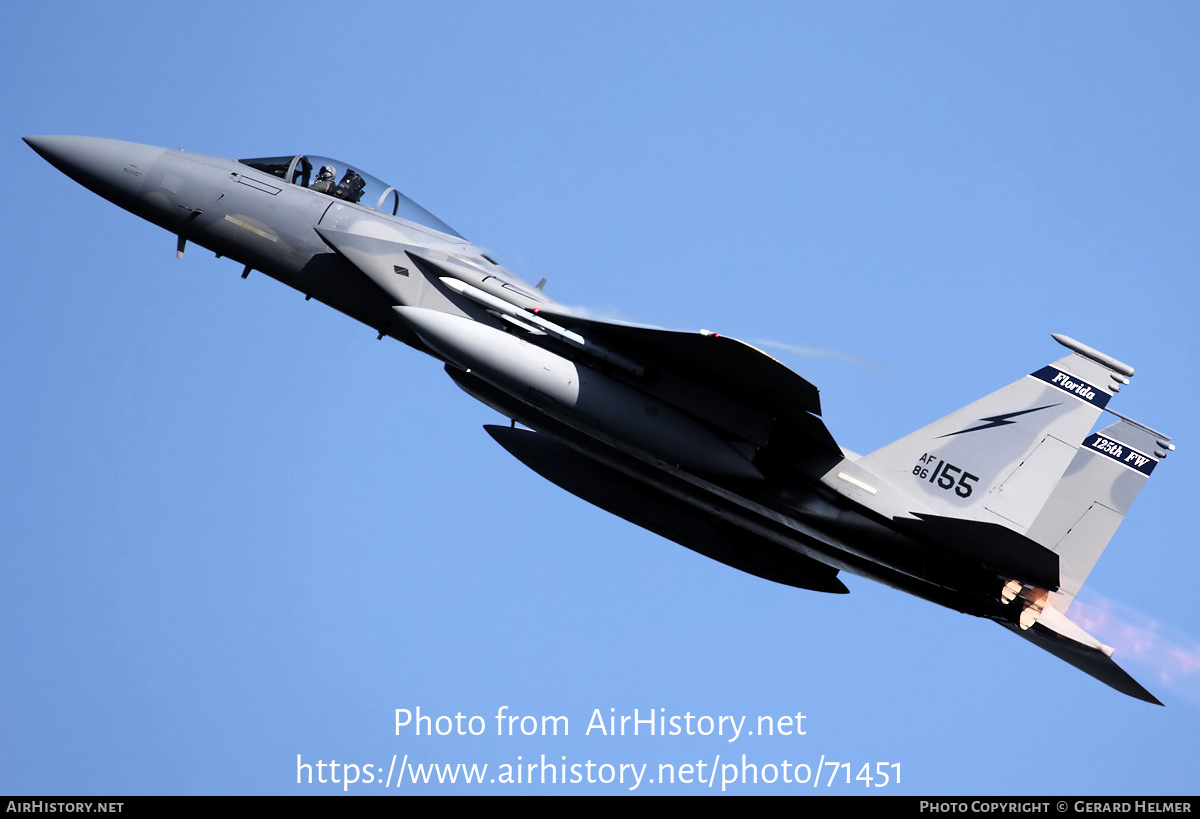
column 1000, row 509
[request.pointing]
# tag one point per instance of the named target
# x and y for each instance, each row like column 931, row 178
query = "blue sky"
column 238, row 529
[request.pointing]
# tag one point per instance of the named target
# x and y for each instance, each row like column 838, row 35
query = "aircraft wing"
column 652, row 509
column 719, row 365
column 713, row 360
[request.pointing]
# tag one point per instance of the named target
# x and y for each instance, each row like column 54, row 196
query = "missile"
column 578, row 396
column 524, row 318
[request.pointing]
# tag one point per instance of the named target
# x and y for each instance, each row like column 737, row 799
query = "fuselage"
column 273, row 215
column 260, row 213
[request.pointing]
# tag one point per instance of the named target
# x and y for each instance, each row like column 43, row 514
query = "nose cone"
column 116, row 170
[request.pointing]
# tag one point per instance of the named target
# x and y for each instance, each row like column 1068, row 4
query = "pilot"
column 325, row 180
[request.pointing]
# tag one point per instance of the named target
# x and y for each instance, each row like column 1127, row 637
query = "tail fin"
column 1077, row 522
column 1092, row 499
column 1013, row 459
column 1000, row 458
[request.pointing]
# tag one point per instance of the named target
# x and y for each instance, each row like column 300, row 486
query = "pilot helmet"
column 326, row 172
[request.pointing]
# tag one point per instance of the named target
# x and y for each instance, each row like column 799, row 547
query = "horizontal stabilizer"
column 1006, row 552
column 1068, row 642
column 652, row 509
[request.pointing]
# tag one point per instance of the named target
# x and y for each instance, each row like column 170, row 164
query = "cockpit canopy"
column 341, row 181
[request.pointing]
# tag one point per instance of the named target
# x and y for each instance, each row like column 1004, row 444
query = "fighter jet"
column 999, row 510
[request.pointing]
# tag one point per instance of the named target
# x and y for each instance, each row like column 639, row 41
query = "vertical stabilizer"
column 999, row 459
column 1093, row 497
